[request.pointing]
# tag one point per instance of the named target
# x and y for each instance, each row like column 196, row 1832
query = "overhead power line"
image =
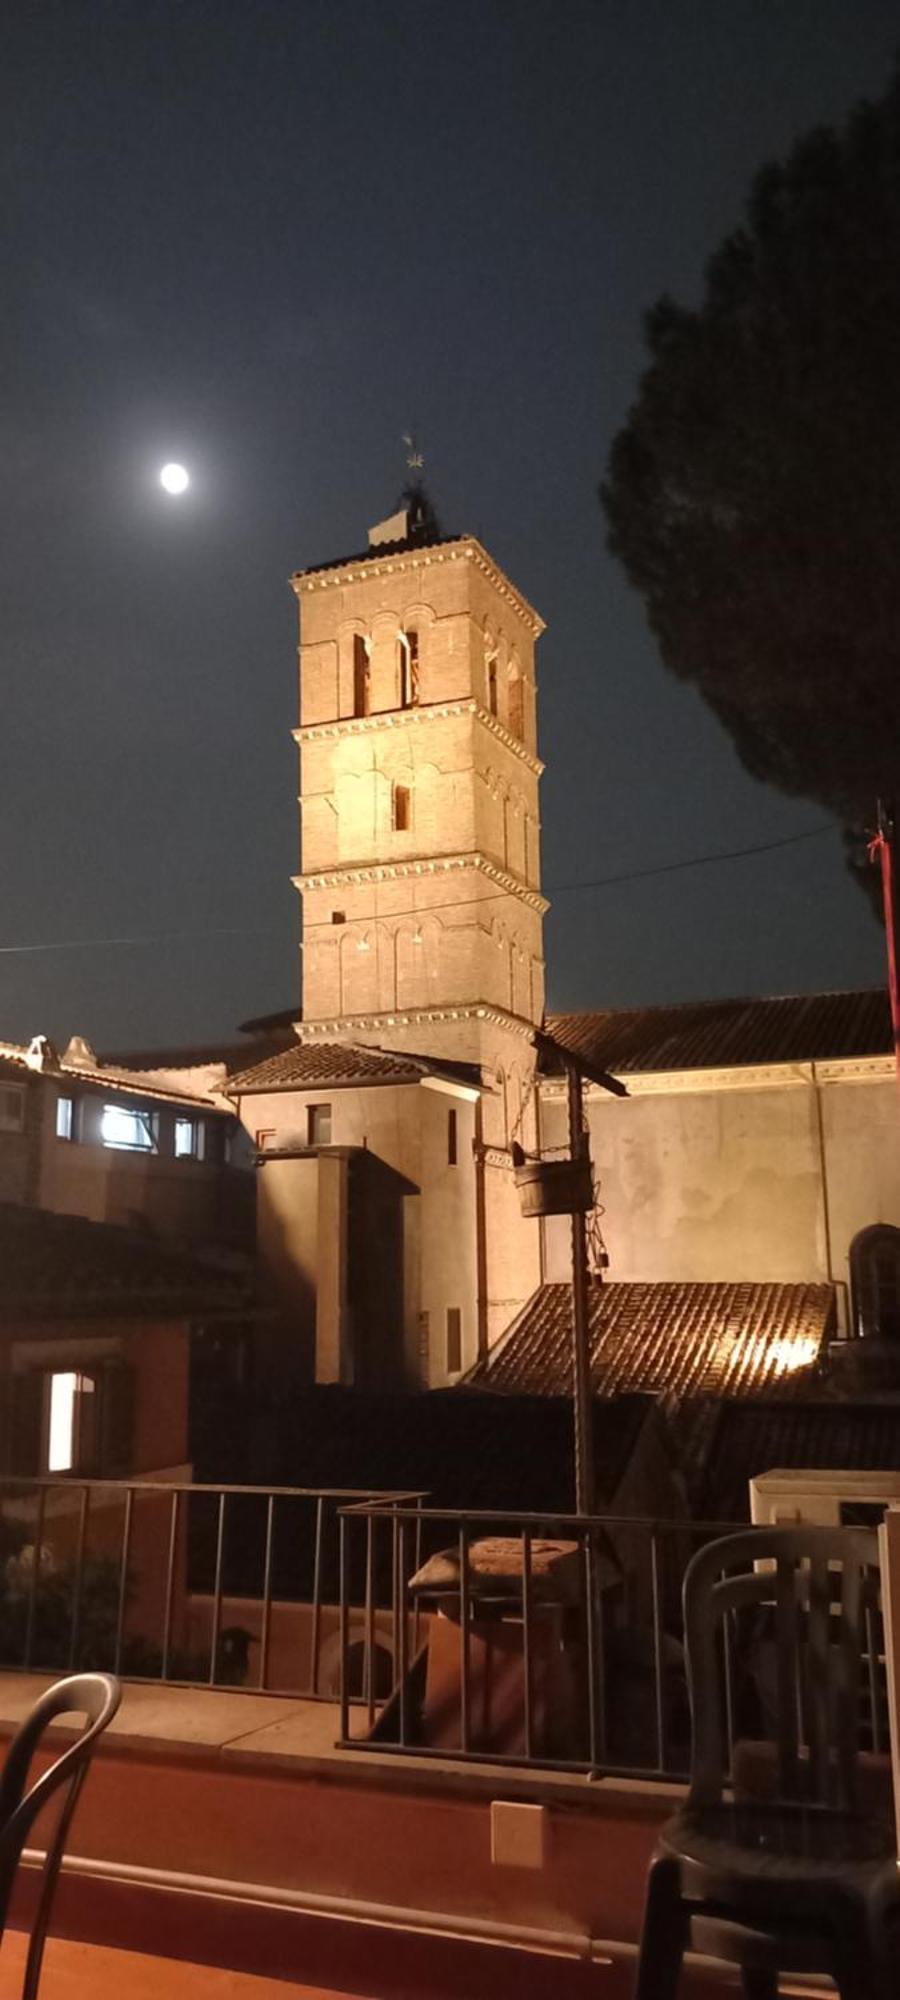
column 501, row 896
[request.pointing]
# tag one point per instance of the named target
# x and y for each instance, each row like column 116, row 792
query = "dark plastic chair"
column 96, row 1697
column 804, row 1882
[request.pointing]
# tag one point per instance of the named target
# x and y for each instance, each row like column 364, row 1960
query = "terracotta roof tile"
column 712, row 1034
column 680, row 1340
column 750, row 1438
column 65, row 1267
column 310, row 1065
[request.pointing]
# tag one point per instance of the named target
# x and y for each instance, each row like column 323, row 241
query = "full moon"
column 175, row 478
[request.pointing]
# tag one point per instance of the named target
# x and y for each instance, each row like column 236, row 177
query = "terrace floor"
column 74, row 1971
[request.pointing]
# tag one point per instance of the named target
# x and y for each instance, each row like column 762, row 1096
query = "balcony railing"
column 217, row 1586
column 581, row 1671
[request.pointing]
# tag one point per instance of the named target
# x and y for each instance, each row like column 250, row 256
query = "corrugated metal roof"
column 751, row 1438
column 680, row 1340
column 65, row 1267
column 309, row 1065
column 713, row 1034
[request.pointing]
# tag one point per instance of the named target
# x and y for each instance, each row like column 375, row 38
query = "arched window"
column 409, row 669
column 360, row 675
column 875, row 1281
column 516, row 704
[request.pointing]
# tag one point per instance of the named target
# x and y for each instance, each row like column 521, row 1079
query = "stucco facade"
column 758, row 1173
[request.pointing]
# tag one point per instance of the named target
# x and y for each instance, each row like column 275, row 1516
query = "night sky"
column 265, row 238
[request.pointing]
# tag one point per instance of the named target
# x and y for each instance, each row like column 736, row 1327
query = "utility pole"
column 883, row 850
column 581, row 1352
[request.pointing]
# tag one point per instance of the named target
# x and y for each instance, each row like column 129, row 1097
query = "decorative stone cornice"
column 466, row 549
column 420, row 868
column 346, row 1026
column 407, row 718
column 749, row 1076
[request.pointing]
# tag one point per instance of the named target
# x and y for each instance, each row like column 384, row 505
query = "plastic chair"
column 97, row 1697
column 804, row 1882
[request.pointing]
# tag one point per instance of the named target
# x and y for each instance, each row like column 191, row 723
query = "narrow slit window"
column 361, row 682
column 454, row 1340
column 409, row 669
column 65, row 1118
column 70, row 1416
column 401, row 805
column 452, row 1152
column 492, row 683
column 517, row 707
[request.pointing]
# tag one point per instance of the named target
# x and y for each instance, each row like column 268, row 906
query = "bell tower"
column 420, row 883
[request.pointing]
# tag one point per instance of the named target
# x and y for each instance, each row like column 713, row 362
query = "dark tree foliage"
column 753, row 494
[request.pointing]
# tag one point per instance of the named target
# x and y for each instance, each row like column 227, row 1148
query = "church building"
column 747, row 1186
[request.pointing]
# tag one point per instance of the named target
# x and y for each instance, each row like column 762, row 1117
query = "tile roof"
column 711, row 1034
column 381, row 550
column 749, row 1438
column 679, row 1340
column 65, row 1267
column 105, row 1076
column 308, row 1065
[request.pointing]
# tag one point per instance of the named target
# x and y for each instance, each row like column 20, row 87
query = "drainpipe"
column 823, row 1172
column 479, row 1149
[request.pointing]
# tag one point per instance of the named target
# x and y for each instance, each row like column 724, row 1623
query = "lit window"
column 451, row 1139
column 64, row 1117
column 318, row 1124
column 130, row 1130
column 454, row 1340
column 401, row 801
column 12, row 1108
column 190, row 1135
column 69, row 1420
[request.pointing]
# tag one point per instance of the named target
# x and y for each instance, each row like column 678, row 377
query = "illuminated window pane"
column 66, row 1404
column 131, row 1130
column 188, row 1139
column 64, row 1109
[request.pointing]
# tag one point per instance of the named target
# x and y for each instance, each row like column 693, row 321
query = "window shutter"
column 26, row 1421
column 116, row 1440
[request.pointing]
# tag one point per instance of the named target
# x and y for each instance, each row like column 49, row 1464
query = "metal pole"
column 882, row 850
column 581, row 1355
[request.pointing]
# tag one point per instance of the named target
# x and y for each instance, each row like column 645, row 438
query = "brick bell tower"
column 420, row 828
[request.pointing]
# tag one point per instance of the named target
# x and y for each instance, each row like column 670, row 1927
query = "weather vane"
column 414, row 458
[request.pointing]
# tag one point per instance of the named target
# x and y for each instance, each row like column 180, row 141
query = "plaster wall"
column 182, row 1198
column 737, row 1183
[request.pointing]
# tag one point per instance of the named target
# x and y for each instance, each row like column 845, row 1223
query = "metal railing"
column 167, row 1581
column 586, row 1673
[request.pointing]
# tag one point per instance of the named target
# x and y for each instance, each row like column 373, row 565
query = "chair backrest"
column 812, row 1596
column 96, row 1697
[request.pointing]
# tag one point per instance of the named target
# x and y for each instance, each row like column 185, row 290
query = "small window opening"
column 452, row 1154
column 69, row 1420
column 189, row 1138
column 338, row 916
column 265, row 1138
column 129, row 1130
column 12, row 1108
column 361, row 676
column 517, row 706
column 65, row 1110
column 454, row 1340
column 318, row 1124
column 401, row 809
column 409, row 669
